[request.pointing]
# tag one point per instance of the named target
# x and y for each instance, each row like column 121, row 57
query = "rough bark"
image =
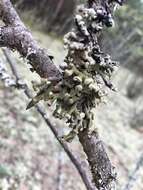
column 17, row 37
column 101, row 168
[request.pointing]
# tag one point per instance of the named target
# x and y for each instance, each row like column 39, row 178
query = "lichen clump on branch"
column 87, row 70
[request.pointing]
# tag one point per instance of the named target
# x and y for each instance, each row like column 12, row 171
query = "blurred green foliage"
column 125, row 40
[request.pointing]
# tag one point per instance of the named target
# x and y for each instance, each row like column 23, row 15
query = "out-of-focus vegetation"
column 125, row 41
column 49, row 15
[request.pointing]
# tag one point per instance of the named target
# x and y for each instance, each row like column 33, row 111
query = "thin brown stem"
column 82, row 172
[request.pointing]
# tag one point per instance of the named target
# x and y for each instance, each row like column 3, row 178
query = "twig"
column 5, row 77
column 134, row 174
column 6, row 52
column 59, row 173
column 82, row 172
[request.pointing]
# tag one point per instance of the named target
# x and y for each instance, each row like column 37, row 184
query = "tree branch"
column 16, row 36
column 102, row 170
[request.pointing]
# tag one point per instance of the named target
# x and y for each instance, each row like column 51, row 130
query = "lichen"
column 86, row 73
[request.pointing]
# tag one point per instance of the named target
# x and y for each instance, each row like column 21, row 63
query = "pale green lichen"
column 86, row 74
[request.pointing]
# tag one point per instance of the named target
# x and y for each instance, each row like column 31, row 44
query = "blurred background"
column 30, row 157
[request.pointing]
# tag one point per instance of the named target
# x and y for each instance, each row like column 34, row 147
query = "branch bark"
column 102, row 170
column 17, row 37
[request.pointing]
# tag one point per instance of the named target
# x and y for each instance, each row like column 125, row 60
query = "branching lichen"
column 87, row 71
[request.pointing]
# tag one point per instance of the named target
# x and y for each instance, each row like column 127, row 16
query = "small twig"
column 59, row 172
column 5, row 77
column 135, row 174
column 82, row 172
column 6, row 52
